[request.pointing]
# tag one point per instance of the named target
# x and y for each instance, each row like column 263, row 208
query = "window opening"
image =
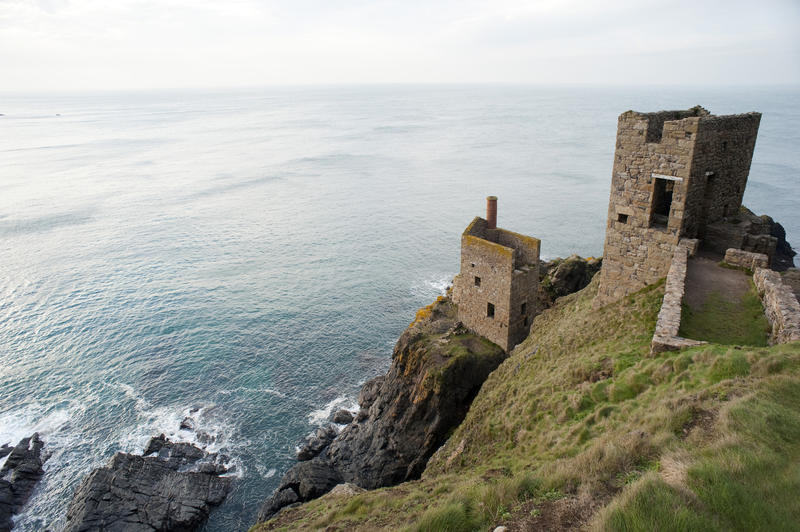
column 477, row 281
column 622, row 218
column 662, row 202
column 489, row 310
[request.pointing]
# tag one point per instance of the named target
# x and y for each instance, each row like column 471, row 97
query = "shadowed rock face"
column 561, row 277
column 171, row 488
column 20, row 473
column 437, row 369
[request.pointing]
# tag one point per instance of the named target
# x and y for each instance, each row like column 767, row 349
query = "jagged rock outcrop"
column 561, row 277
column 20, row 473
column 316, row 442
column 437, row 369
column 172, row 487
column 750, row 232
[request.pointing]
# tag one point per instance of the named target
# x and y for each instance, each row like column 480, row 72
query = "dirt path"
column 705, row 276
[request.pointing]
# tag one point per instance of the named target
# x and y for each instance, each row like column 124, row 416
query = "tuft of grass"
column 724, row 322
column 454, row 517
column 654, row 505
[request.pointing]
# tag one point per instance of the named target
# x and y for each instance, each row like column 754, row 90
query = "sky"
column 147, row 44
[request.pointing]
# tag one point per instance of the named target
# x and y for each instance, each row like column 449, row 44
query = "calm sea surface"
column 248, row 258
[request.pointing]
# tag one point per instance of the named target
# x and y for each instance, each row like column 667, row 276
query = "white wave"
column 322, row 415
column 18, row 424
column 268, row 391
column 264, row 472
column 130, row 393
column 429, row 288
column 210, row 430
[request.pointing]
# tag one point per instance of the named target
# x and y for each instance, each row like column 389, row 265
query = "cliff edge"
column 437, row 369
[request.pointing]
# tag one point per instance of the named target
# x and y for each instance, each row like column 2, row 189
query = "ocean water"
column 248, row 258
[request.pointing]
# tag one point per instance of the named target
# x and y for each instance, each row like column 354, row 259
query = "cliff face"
column 437, row 369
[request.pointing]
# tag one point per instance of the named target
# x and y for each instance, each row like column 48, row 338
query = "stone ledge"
column 665, row 337
column 780, row 306
column 746, row 259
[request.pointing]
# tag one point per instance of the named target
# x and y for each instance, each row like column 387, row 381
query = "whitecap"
column 435, row 286
column 321, row 415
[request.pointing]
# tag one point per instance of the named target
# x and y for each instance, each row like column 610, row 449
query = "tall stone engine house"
column 496, row 290
column 678, row 175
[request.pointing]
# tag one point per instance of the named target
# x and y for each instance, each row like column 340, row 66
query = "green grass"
column 724, row 322
column 748, row 480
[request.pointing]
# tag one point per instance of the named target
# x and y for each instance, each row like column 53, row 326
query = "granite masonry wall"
column 675, row 173
column 498, row 268
column 780, row 306
column 665, row 337
column 746, row 259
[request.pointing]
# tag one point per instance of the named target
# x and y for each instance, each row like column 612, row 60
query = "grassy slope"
column 580, row 428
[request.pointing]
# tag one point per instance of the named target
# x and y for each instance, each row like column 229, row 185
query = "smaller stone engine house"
column 496, row 290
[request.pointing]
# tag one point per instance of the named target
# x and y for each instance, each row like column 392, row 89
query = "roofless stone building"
column 679, row 177
column 496, row 290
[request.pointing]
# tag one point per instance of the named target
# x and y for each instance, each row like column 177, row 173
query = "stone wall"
column 665, row 337
column 698, row 160
column 500, row 268
column 780, row 306
column 720, row 167
column 746, row 259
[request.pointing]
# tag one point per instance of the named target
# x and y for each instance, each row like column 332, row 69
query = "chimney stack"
column 491, row 211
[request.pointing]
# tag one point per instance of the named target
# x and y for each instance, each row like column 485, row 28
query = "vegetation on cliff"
column 580, row 427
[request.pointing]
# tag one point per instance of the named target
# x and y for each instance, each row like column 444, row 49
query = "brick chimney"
column 491, row 211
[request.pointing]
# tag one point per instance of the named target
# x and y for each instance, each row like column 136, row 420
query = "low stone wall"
column 780, row 306
column 665, row 337
column 746, row 259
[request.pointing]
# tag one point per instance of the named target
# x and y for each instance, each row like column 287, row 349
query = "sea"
column 247, row 258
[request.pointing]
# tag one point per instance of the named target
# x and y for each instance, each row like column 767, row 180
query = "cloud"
column 182, row 43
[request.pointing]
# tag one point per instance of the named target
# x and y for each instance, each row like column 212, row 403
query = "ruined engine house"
column 678, row 177
column 496, row 289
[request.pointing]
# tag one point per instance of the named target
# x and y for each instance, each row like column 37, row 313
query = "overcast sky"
column 86, row 44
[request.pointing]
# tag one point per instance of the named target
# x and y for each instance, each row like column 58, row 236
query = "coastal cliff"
column 582, row 427
column 406, row 415
column 437, row 369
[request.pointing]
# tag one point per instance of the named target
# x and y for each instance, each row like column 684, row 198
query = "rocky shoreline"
column 18, row 476
column 170, row 487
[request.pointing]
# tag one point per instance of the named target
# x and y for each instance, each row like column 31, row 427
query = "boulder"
column 172, row 487
column 343, row 417
column 20, row 473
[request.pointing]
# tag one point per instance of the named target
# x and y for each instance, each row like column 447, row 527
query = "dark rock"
column 343, row 417
column 561, row 277
column 187, row 424
column 279, row 500
column 316, row 442
column 369, row 392
column 20, row 473
column 405, row 415
column 171, row 491
column 784, row 254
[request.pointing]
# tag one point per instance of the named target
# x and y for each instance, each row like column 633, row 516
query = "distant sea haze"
column 249, row 258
